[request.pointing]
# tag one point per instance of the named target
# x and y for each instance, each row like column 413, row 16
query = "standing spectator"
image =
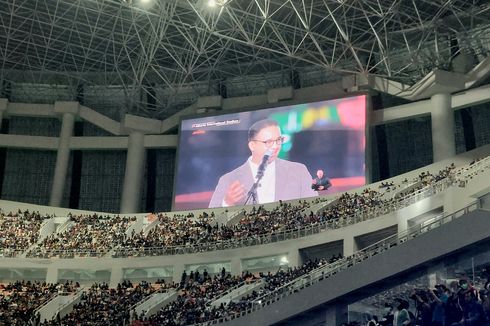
column 454, row 312
column 401, row 316
column 438, row 301
column 388, row 316
column 424, row 313
column 472, row 311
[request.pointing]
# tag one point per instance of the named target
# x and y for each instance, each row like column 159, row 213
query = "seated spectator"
column 18, row 231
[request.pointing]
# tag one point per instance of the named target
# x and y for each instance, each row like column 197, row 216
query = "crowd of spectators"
column 94, row 235
column 101, row 305
column 192, row 305
column 91, row 235
column 170, row 231
column 104, row 306
column 18, row 231
column 260, row 222
column 458, row 303
column 455, row 304
column 201, row 230
column 19, row 300
column 198, row 291
column 425, row 179
column 175, row 232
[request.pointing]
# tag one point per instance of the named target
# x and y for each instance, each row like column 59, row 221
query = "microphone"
column 263, row 164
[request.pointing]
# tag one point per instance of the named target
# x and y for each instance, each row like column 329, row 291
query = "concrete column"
column 294, row 258
column 350, row 246
column 134, row 173
column 178, row 270
column 402, row 221
column 336, row 315
column 236, row 266
column 435, row 273
column 52, row 275
column 402, row 226
column 442, row 117
column 116, row 276
column 3, row 107
column 62, row 158
column 431, row 280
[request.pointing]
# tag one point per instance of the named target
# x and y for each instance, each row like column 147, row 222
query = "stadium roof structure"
column 161, row 48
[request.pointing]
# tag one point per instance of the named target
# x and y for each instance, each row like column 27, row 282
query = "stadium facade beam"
column 69, row 110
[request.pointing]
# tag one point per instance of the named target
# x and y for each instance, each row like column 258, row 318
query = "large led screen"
column 298, row 151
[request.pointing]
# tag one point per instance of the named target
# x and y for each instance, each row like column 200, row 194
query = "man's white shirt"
column 266, row 190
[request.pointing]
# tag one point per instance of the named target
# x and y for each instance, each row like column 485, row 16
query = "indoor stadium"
column 245, row 162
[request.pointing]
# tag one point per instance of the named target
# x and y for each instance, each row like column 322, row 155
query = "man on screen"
column 282, row 180
column 321, row 182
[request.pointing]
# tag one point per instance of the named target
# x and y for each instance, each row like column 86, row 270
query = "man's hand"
column 321, row 188
column 235, row 193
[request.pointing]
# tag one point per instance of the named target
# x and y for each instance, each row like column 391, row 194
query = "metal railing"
column 230, row 290
column 149, row 297
column 68, row 253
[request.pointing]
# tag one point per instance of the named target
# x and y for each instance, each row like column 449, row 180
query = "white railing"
column 230, row 290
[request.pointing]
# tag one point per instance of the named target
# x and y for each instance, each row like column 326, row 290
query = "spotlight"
column 145, row 1
column 212, row 3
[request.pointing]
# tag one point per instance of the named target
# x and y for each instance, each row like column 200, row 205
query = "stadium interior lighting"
column 214, row 3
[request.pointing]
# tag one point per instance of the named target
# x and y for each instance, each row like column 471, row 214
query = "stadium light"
column 214, row 3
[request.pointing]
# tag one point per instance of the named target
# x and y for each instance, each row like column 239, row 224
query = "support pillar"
column 178, row 270
column 402, row 222
column 117, row 277
column 435, row 273
column 294, row 258
column 52, row 275
column 442, row 117
column 336, row 315
column 62, row 158
column 236, row 266
column 3, row 107
column 133, row 175
column 350, row 246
